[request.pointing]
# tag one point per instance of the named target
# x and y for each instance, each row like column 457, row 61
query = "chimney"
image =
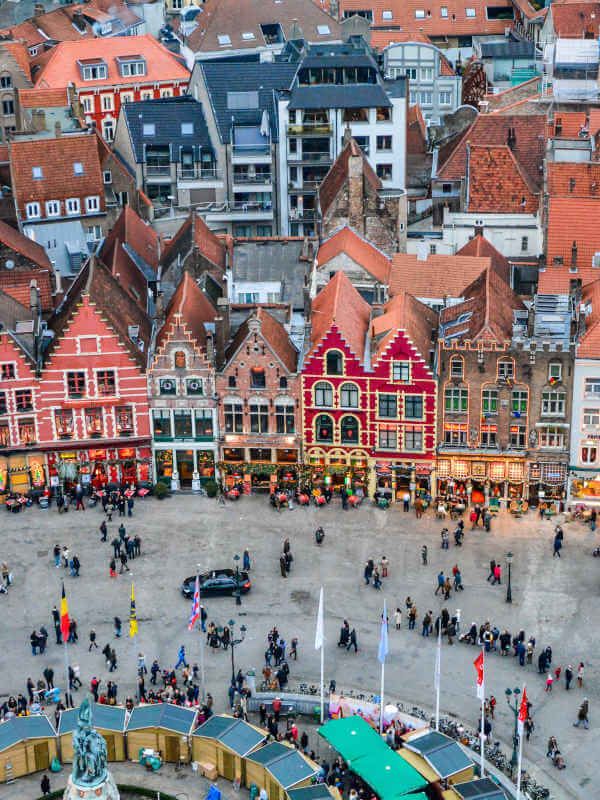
column 478, row 230
column 38, row 120
column 79, row 21
column 574, row 256
column 530, row 323
column 347, row 135
column 210, row 348
column 356, row 217
column 222, row 327
column 422, row 250
column 511, row 138
column 38, row 9
column 57, row 129
column 57, row 281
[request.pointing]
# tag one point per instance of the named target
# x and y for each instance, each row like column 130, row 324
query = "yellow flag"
column 133, row 626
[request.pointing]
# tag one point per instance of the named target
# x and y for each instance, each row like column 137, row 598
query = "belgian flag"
column 64, row 616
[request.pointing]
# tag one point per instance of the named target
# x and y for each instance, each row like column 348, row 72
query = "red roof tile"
column 360, row 250
column 436, row 277
column 508, row 98
column 209, row 245
column 24, row 246
column 340, row 304
column 575, row 20
column 570, row 179
column 56, row 25
column 480, row 247
column 407, row 313
column 589, row 344
column 43, row 98
column 567, row 124
column 273, row 333
column 56, row 157
column 493, row 129
column 132, row 230
column 497, row 184
column 111, row 9
column 190, row 305
column 16, row 284
column 338, row 175
column 416, row 135
column 456, row 23
column 571, row 220
column 62, row 68
column 21, row 55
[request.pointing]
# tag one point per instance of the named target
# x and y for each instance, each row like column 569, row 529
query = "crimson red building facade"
column 368, row 392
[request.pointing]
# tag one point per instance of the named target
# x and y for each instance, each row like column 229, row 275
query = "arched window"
column 324, row 425
column 456, row 367
column 335, row 363
column 323, row 395
column 180, row 359
column 283, row 382
column 349, row 395
column 506, row 368
column 349, row 430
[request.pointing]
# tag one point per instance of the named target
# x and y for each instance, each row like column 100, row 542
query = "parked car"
column 217, row 582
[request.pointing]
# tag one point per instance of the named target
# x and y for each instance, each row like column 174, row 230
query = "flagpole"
column 322, row 683
column 438, row 669
column 381, row 698
column 381, row 655
column 519, row 766
column 520, row 728
column 202, row 686
column 482, row 714
column 320, row 645
column 68, row 697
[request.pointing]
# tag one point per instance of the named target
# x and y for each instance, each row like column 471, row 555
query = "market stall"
column 160, row 726
column 27, row 744
column 277, row 767
column 318, row 791
column 437, row 757
column 109, row 721
column 224, row 742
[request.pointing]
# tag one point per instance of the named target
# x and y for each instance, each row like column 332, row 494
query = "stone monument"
column 90, row 777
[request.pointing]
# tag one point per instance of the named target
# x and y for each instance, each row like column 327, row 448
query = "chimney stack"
column 574, row 256
column 38, row 120
column 38, row 9
column 57, row 129
column 356, row 217
column 222, row 328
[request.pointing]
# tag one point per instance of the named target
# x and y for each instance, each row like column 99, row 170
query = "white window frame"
column 552, row 399
column 167, row 92
column 442, row 95
column 33, row 210
column 108, row 129
column 53, row 208
column 107, row 176
column 590, row 417
column 555, row 370
column 591, row 448
column 87, row 103
column 591, row 392
column 92, row 204
column 444, row 11
column 107, row 102
column 470, row 13
column 426, row 73
column 558, row 435
column 419, row 13
column 75, row 204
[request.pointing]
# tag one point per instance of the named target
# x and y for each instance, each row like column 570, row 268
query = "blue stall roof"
column 17, row 729
column 235, row 734
column 162, row 715
column 441, row 752
column 285, row 764
column 481, row 789
column 107, row 718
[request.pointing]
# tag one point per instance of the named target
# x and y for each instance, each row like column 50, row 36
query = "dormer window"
column 77, row 168
column 387, row 15
column 131, row 65
column 37, row 173
column 248, row 36
column 32, row 210
column 149, row 129
column 224, row 40
column 187, row 128
column 93, row 69
column 419, row 13
column 323, row 30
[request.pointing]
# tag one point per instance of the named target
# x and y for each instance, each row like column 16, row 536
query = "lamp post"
column 509, row 558
column 237, row 594
column 515, row 709
column 235, row 642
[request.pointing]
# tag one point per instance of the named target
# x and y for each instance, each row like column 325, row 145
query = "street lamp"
column 237, row 594
column 509, row 558
column 515, row 709
column 234, row 642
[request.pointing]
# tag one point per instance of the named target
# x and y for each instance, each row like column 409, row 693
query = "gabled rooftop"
column 273, row 333
column 406, row 313
column 435, row 276
column 497, row 183
column 480, row 247
column 572, row 242
column 337, row 176
column 574, row 20
column 20, row 54
column 10, row 237
column 64, row 24
column 190, row 306
column 338, row 303
column 360, row 250
column 569, row 179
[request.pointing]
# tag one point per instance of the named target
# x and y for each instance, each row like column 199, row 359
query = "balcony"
column 251, row 211
column 310, row 129
column 248, row 179
column 310, row 158
column 251, row 153
column 297, row 215
column 158, row 169
column 197, row 173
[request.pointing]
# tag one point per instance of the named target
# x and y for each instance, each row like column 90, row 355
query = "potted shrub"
column 160, row 490
column 211, row 488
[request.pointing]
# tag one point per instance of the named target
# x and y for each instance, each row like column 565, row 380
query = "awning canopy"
column 367, row 754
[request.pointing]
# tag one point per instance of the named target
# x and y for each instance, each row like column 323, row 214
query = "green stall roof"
column 162, row 715
column 367, row 754
column 107, row 718
column 235, row 734
column 441, row 752
column 17, row 729
column 285, row 764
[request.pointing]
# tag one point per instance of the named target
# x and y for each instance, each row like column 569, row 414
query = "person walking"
column 426, row 624
column 112, row 568
column 103, row 530
column 283, row 565
column 580, row 674
column 93, row 642
column 56, row 620
column 94, row 684
column 497, row 574
column 557, row 547
column 48, row 674
column 440, row 582
column 118, row 625
column 123, row 558
column 368, row 571
column 79, row 498
column 56, row 552
column 398, row 619
column 181, row 657
column 352, row 641
column 490, row 577
column 582, row 715
column 487, row 519
column 384, row 565
column 549, row 681
column 593, row 518
column 412, row 617
column 458, row 585
column 246, row 560
column 130, row 506
column 137, row 545
column 445, row 538
column 116, row 546
column 406, row 500
column 568, row 677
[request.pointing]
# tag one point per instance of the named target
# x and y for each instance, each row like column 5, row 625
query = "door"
column 185, row 466
column 172, row 748
column 110, row 746
column 41, row 756
column 228, row 765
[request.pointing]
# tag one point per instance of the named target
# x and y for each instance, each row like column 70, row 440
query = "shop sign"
column 127, row 453
column 461, row 469
column 97, row 455
column 443, row 469
column 497, row 471
column 515, row 473
column 478, row 469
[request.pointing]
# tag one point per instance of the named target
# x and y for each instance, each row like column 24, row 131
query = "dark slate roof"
column 273, row 260
column 482, row 789
column 285, row 764
column 162, row 715
column 266, row 79
column 107, row 718
column 442, row 753
column 314, row 792
column 17, row 729
column 140, row 263
column 332, row 96
column 327, row 57
column 167, row 114
column 396, row 88
column 268, row 753
column 508, row 49
column 235, row 734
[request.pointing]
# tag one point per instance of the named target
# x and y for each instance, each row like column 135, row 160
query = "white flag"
column 319, row 636
column 438, row 661
column 383, row 639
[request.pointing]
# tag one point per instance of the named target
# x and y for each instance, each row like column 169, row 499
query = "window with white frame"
column 73, row 206
column 323, row 395
column 456, row 400
column 94, row 233
column 489, row 436
column 32, row 210
column 589, row 453
column 53, row 208
column 87, row 103
column 489, row 401
column 166, row 92
column 92, row 204
column 388, row 437
column 108, row 129
column 506, row 368
column 445, row 98
column 349, row 395
column 146, row 94
column 552, row 437
column 591, row 417
column 387, row 15
column 555, row 371
column 78, row 168
column 426, row 73
column 592, row 388
column 517, row 437
column 413, row 439
column 444, row 11
column 108, row 102
column 456, row 368
column 126, row 97
column 419, row 13
column 470, row 12
column 401, row 371
column 37, row 173
column 94, row 73
column 553, row 403
column 107, row 176
column 426, row 98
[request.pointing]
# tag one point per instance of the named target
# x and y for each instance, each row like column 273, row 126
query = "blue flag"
column 383, row 641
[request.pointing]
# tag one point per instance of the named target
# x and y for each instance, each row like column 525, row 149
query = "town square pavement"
column 554, row 599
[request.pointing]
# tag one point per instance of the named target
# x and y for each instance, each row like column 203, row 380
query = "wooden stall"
column 223, row 742
column 161, row 726
column 478, row 789
column 318, row 791
column 277, row 767
column 109, row 721
column 437, row 757
column 27, row 744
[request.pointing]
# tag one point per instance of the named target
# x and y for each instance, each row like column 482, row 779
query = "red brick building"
column 368, row 392
column 258, row 403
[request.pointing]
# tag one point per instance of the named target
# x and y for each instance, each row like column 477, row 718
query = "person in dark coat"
column 103, row 529
column 45, row 785
column 283, row 565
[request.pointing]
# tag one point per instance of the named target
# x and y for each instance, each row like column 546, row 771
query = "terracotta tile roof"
column 572, row 179
column 480, row 247
column 407, row 313
column 25, row 32
column 514, row 95
column 21, row 55
column 194, row 308
column 62, row 68
column 436, row 277
column 24, row 245
column 56, row 157
column 56, row 26
column 588, row 345
column 497, row 184
column 208, row 244
column 273, row 333
column 455, row 24
column 340, row 304
column 490, row 302
column 44, row 98
column 236, row 17
column 16, row 284
column 575, row 20
column 38, row 64
column 338, row 175
column 567, row 124
column 570, row 220
column 111, row 9
column 493, row 129
column 416, row 137
column 132, row 230
column 348, row 241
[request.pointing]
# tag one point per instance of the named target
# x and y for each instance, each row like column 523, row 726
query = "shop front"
column 493, row 482
column 262, row 467
column 548, row 484
column 22, row 472
column 100, row 468
column 183, row 463
column 584, row 487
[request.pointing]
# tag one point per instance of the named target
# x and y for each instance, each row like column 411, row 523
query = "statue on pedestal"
column 89, row 750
